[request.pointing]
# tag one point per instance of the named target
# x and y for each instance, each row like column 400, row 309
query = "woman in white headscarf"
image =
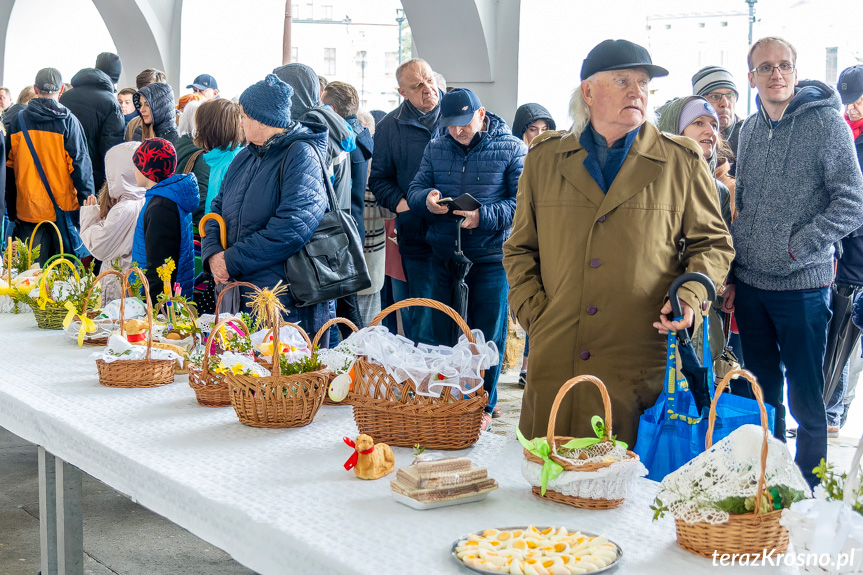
column 108, row 225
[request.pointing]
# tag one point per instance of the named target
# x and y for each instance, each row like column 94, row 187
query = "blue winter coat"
column 398, row 150
column 360, row 171
column 266, row 225
column 489, row 172
column 164, row 230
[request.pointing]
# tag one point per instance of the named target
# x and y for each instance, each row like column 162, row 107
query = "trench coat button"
column 585, row 355
column 595, row 263
column 600, row 219
column 592, row 309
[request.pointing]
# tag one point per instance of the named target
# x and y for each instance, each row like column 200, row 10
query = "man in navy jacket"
column 479, row 156
column 400, row 139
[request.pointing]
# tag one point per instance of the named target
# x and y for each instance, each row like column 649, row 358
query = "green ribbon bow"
column 541, row 448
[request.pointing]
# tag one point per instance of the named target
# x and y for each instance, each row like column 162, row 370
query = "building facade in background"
column 353, row 42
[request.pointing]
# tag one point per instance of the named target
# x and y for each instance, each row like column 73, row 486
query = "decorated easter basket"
column 88, row 334
column 48, row 313
column 601, row 484
column 451, row 421
column 169, row 309
column 332, row 374
column 14, row 287
column 277, row 400
column 743, row 533
column 136, row 372
column 211, row 388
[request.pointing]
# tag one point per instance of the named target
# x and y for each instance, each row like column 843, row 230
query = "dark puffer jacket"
column 400, row 141
column 93, row 102
column 850, row 269
column 160, row 98
column 489, row 172
column 265, row 224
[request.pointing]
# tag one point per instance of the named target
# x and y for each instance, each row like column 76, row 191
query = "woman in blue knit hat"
column 272, row 198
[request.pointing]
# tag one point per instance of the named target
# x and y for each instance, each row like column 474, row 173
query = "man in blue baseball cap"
column 206, row 86
column 478, row 156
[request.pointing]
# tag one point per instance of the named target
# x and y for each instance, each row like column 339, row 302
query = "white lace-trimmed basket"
column 818, row 528
column 590, row 485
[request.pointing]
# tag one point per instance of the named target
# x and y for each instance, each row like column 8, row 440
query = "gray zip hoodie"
column 799, row 190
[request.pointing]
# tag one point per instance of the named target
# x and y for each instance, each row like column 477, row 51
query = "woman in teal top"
column 220, row 136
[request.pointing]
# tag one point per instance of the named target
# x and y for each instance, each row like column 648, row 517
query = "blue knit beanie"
column 269, row 102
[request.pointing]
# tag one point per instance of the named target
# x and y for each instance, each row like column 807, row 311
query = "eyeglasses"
column 767, row 70
column 716, row 97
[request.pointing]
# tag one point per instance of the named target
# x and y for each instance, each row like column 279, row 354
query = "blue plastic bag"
column 672, row 432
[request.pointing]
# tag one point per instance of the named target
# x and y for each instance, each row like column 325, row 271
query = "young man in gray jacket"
column 799, row 190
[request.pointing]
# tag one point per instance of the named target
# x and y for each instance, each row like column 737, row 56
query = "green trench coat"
column 589, row 272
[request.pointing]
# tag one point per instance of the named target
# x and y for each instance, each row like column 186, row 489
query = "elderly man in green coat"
column 607, row 216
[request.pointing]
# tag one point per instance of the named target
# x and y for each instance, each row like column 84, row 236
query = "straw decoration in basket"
column 450, row 421
column 748, row 533
column 51, row 316
column 136, row 372
column 332, row 374
column 87, row 324
column 556, row 441
column 277, row 400
column 211, row 388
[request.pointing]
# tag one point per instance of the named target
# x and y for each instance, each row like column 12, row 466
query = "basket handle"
column 229, row 286
column 44, row 277
column 423, row 302
column 330, row 324
column 192, row 313
column 223, row 233
column 71, row 257
column 759, row 397
column 212, row 337
column 606, row 403
column 99, row 277
column 33, row 235
column 146, row 286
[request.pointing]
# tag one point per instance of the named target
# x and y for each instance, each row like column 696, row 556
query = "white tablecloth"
column 279, row 501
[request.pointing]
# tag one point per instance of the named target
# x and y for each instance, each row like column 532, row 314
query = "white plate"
column 586, row 533
column 410, row 502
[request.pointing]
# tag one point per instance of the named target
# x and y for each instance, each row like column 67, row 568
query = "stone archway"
column 473, row 43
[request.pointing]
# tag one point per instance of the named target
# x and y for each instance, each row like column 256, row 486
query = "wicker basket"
column 211, row 388
column 559, row 440
column 445, row 422
column 52, row 316
column 136, row 372
column 194, row 320
column 100, row 341
column 278, row 400
column 749, row 533
column 332, row 375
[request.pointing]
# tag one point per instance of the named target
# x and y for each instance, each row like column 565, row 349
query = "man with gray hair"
column 608, row 215
column 717, row 85
column 400, row 140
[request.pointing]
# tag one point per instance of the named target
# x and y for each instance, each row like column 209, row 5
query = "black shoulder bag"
column 72, row 241
column 331, row 264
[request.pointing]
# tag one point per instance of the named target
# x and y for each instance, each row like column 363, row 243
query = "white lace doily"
column 730, row 468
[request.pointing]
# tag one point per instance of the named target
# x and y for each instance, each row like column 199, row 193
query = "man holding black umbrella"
column 478, row 156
